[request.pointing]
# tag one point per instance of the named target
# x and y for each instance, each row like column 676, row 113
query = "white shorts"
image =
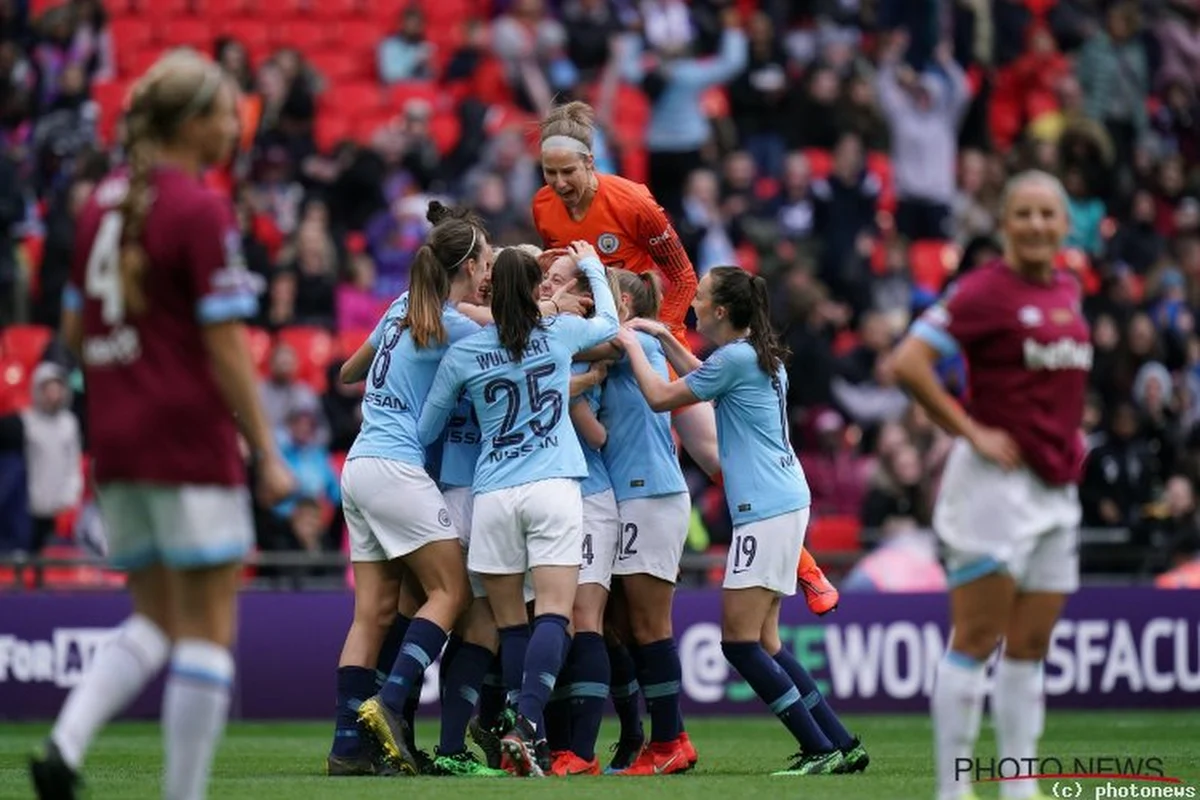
column 460, row 500
column 764, row 553
column 601, row 528
column 990, row 520
column 537, row 524
column 653, row 530
column 392, row 509
column 178, row 526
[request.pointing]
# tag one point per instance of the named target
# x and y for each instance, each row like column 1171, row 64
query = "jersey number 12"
column 103, row 278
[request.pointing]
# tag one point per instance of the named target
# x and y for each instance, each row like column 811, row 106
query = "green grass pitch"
column 284, row 761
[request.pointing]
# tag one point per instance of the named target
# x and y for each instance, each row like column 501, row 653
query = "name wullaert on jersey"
column 1063, row 354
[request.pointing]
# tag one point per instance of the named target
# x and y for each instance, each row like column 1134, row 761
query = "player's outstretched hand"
column 650, row 326
column 997, row 446
column 275, row 481
column 581, row 250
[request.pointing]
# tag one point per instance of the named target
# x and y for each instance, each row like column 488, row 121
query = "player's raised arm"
column 658, row 236
column 604, row 325
column 661, row 395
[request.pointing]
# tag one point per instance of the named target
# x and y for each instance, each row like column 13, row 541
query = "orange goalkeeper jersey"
column 630, row 231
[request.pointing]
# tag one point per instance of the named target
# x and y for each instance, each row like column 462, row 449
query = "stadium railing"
column 1109, row 555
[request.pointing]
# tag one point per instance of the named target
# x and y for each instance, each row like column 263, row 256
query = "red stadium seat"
column 341, row 66
column 195, row 33
column 360, row 35
column 304, row 35
column 820, row 162
column 314, row 351
column 14, row 386
column 218, row 10
column 336, row 10
column 161, row 11
column 111, row 99
column 931, row 262
column 137, row 62
column 25, row 343
column 332, row 129
column 349, row 341
column 446, row 130
column 259, row 341
column 132, row 33
column 836, row 534
column 254, row 34
column 353, row 99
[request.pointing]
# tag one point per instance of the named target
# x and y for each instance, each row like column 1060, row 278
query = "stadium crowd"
column 850, row 152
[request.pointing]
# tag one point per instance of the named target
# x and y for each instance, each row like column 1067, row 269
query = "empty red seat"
column 14, row 386
column 360, row 34
column 820, row 162
column 341, row 66
column 446, row 130
column 330, row 129
column 25, row 343
column 336, row 10
column 188, row 32
column 349, row 341
column 351, row 99
column 835, row 534
column 931, row 262
column 303, row 34
column 259, row 341
column 314, row 351
column 132, row 33
column 254, row 34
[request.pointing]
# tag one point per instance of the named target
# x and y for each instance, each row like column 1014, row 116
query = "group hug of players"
column 516, row 463
column 516, row 409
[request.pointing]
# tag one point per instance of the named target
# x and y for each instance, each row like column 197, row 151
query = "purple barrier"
column 1129, row 647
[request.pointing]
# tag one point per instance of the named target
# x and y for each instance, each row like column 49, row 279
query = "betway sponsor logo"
column 898, row 659
column 1063, row 354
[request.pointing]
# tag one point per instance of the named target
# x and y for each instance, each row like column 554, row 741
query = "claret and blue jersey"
column 521, row 405
column 763, row 477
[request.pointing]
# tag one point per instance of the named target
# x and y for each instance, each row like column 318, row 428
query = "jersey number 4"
column 103, row 278
column 539, row 400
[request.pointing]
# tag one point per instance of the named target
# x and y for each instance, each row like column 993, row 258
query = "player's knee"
column 1027, row 645
column 649, row 625
column 975, row 640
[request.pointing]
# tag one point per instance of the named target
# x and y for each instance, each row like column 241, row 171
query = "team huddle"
column 514, row 498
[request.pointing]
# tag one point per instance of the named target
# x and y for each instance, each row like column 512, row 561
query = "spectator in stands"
column 1176, row 119
column 837, row 474
column 1118, row 478
column 897, row 492
column 283, row 394
column 923, row 111
column 532, row 45
column 592, row 27
column 794, row 207
column 308, row 459
column 863, row 384
column 358, row 308
column 404, row 55
column 308, row 534
column 893, row 295
column 1170, row 525
column 1153, row 393
column 758, row 96
column 844, row 205
column 53, row 448
column 1086, row 212
column 489, row 198
column 702, row 226
column 342, row 405
column 393, row 237
column 974, row 207
column 905, row 560
column 1136, row 242
column 813, row 103
column 12, row 211
column 1179, row 40
column 92, row 43
column 1114, row 71
column 316, row 270
column 858, row 112
column 679, row 128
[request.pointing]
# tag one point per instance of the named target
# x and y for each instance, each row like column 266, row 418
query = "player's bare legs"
column 697, row 428
column 196, row 698
column 119, row 670
column 376, row 599
column 1018, row 700
column 979, row 615
column 745, row 614
column 854, row 754
column 440, row 568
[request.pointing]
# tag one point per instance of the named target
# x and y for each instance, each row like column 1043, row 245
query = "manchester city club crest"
column 608, row 243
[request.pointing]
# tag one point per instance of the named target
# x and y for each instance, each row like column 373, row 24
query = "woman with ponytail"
column 398, row 522
column 629, row 228
column 528, row 508
column 154, row 309
column 767, row 496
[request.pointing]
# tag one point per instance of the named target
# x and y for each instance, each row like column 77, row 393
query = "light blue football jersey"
column 763, row 477
column 460, row 446
column 640, row 453
column 522, row 405
column 397, row 311
column 597, row 474
column 397, row 384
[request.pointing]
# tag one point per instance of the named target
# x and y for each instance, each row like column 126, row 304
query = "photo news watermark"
column 1071, row 777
